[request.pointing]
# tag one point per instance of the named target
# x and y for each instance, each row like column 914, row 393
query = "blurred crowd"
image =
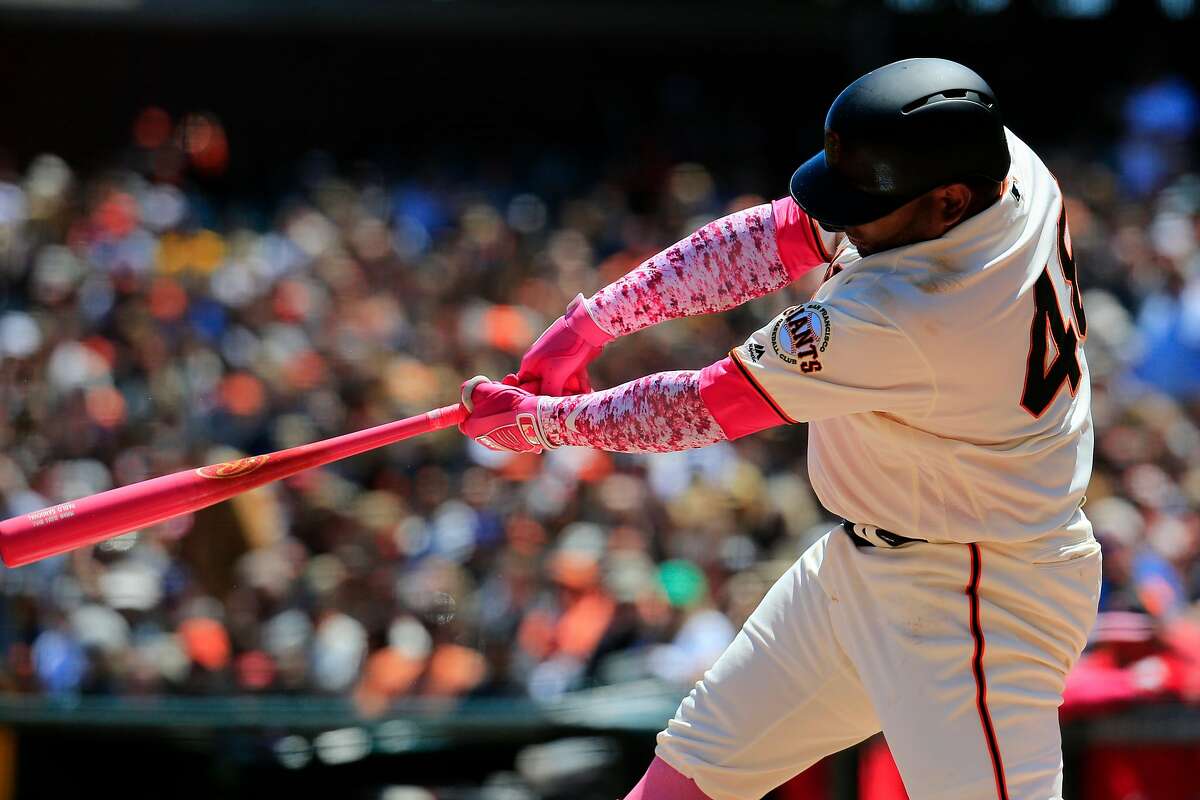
column 146, row 327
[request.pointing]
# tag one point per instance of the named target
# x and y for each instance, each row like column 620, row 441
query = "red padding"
column 739, row 406
column 878, row 778
column 800, row 247
column 814, row 783
column 662, row 782
column 1121, row 772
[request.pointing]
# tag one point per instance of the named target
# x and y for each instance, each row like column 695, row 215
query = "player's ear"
column 953, row 202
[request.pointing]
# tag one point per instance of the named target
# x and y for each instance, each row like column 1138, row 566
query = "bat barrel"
column 93, row 519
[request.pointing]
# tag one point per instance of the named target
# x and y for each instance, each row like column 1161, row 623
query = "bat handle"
column 446, row 416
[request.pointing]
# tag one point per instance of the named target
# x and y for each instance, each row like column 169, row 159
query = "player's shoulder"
column 1033, row 187
column 869, row 293
column 908, row 290
column 879, row 278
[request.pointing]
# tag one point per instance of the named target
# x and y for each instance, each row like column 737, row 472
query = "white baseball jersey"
column 945, row 382
column 947, row 398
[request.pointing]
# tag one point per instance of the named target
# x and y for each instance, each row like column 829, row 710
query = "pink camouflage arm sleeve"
column 722, row 265
column 661, row 413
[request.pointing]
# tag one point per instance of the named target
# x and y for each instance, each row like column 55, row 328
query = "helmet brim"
column 833, row 201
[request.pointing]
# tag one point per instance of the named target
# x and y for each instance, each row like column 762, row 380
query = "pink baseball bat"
column 92, row 519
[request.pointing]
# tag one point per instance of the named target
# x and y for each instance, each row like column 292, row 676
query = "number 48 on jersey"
column 1043, row 381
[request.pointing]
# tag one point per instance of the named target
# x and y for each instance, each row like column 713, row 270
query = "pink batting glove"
column 557, row 362
column 502, row 417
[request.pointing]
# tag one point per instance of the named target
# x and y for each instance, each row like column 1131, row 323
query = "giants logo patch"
column 233, row 469
column 800, row 335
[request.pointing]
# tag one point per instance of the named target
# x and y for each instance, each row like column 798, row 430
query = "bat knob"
column 468, row 387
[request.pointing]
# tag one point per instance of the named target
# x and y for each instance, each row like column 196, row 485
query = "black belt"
column 865, row 536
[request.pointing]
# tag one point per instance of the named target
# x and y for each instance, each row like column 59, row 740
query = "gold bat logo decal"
column 233, row 469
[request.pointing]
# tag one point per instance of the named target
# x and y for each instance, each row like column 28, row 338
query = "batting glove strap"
column 522, row 436
column 580, row 321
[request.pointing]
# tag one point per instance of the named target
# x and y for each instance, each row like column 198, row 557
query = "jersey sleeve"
column 834, row 358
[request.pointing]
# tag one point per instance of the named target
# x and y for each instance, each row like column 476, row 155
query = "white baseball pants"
column 958, row 653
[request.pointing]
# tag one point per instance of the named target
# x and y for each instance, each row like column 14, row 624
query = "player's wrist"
column 548, row 431
column 578, row 318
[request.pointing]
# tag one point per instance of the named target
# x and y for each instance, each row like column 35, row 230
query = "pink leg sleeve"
column 662, row 782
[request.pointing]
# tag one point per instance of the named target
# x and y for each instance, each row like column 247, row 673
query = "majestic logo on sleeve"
column 800, row 335
column 232, row 469
column 756, row 351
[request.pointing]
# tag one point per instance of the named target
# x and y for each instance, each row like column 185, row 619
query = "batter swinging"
column 939, row 367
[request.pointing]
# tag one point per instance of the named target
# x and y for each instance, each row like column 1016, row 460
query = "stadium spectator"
column 142, row 332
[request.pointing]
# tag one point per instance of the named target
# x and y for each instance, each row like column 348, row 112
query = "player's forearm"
column 659, row 413
column 722, row 265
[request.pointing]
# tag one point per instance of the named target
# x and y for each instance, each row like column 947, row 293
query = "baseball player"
column 941, row 372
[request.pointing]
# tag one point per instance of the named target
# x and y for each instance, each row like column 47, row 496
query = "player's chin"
column 864, row 248
column 868, row 248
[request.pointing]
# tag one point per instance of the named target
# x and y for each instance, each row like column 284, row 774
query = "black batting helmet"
column 897, row 132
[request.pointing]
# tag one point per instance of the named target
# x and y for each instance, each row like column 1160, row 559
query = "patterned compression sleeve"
column 724, row 264
column 659, row 413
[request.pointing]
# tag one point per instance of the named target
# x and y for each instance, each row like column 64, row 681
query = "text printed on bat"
column 52, row 514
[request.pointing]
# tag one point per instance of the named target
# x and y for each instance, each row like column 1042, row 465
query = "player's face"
column 927, row 217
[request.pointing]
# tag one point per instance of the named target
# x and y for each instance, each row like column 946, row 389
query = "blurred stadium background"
column 240, row 225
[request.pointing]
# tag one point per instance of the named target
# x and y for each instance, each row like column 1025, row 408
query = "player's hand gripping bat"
column 63, row 527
